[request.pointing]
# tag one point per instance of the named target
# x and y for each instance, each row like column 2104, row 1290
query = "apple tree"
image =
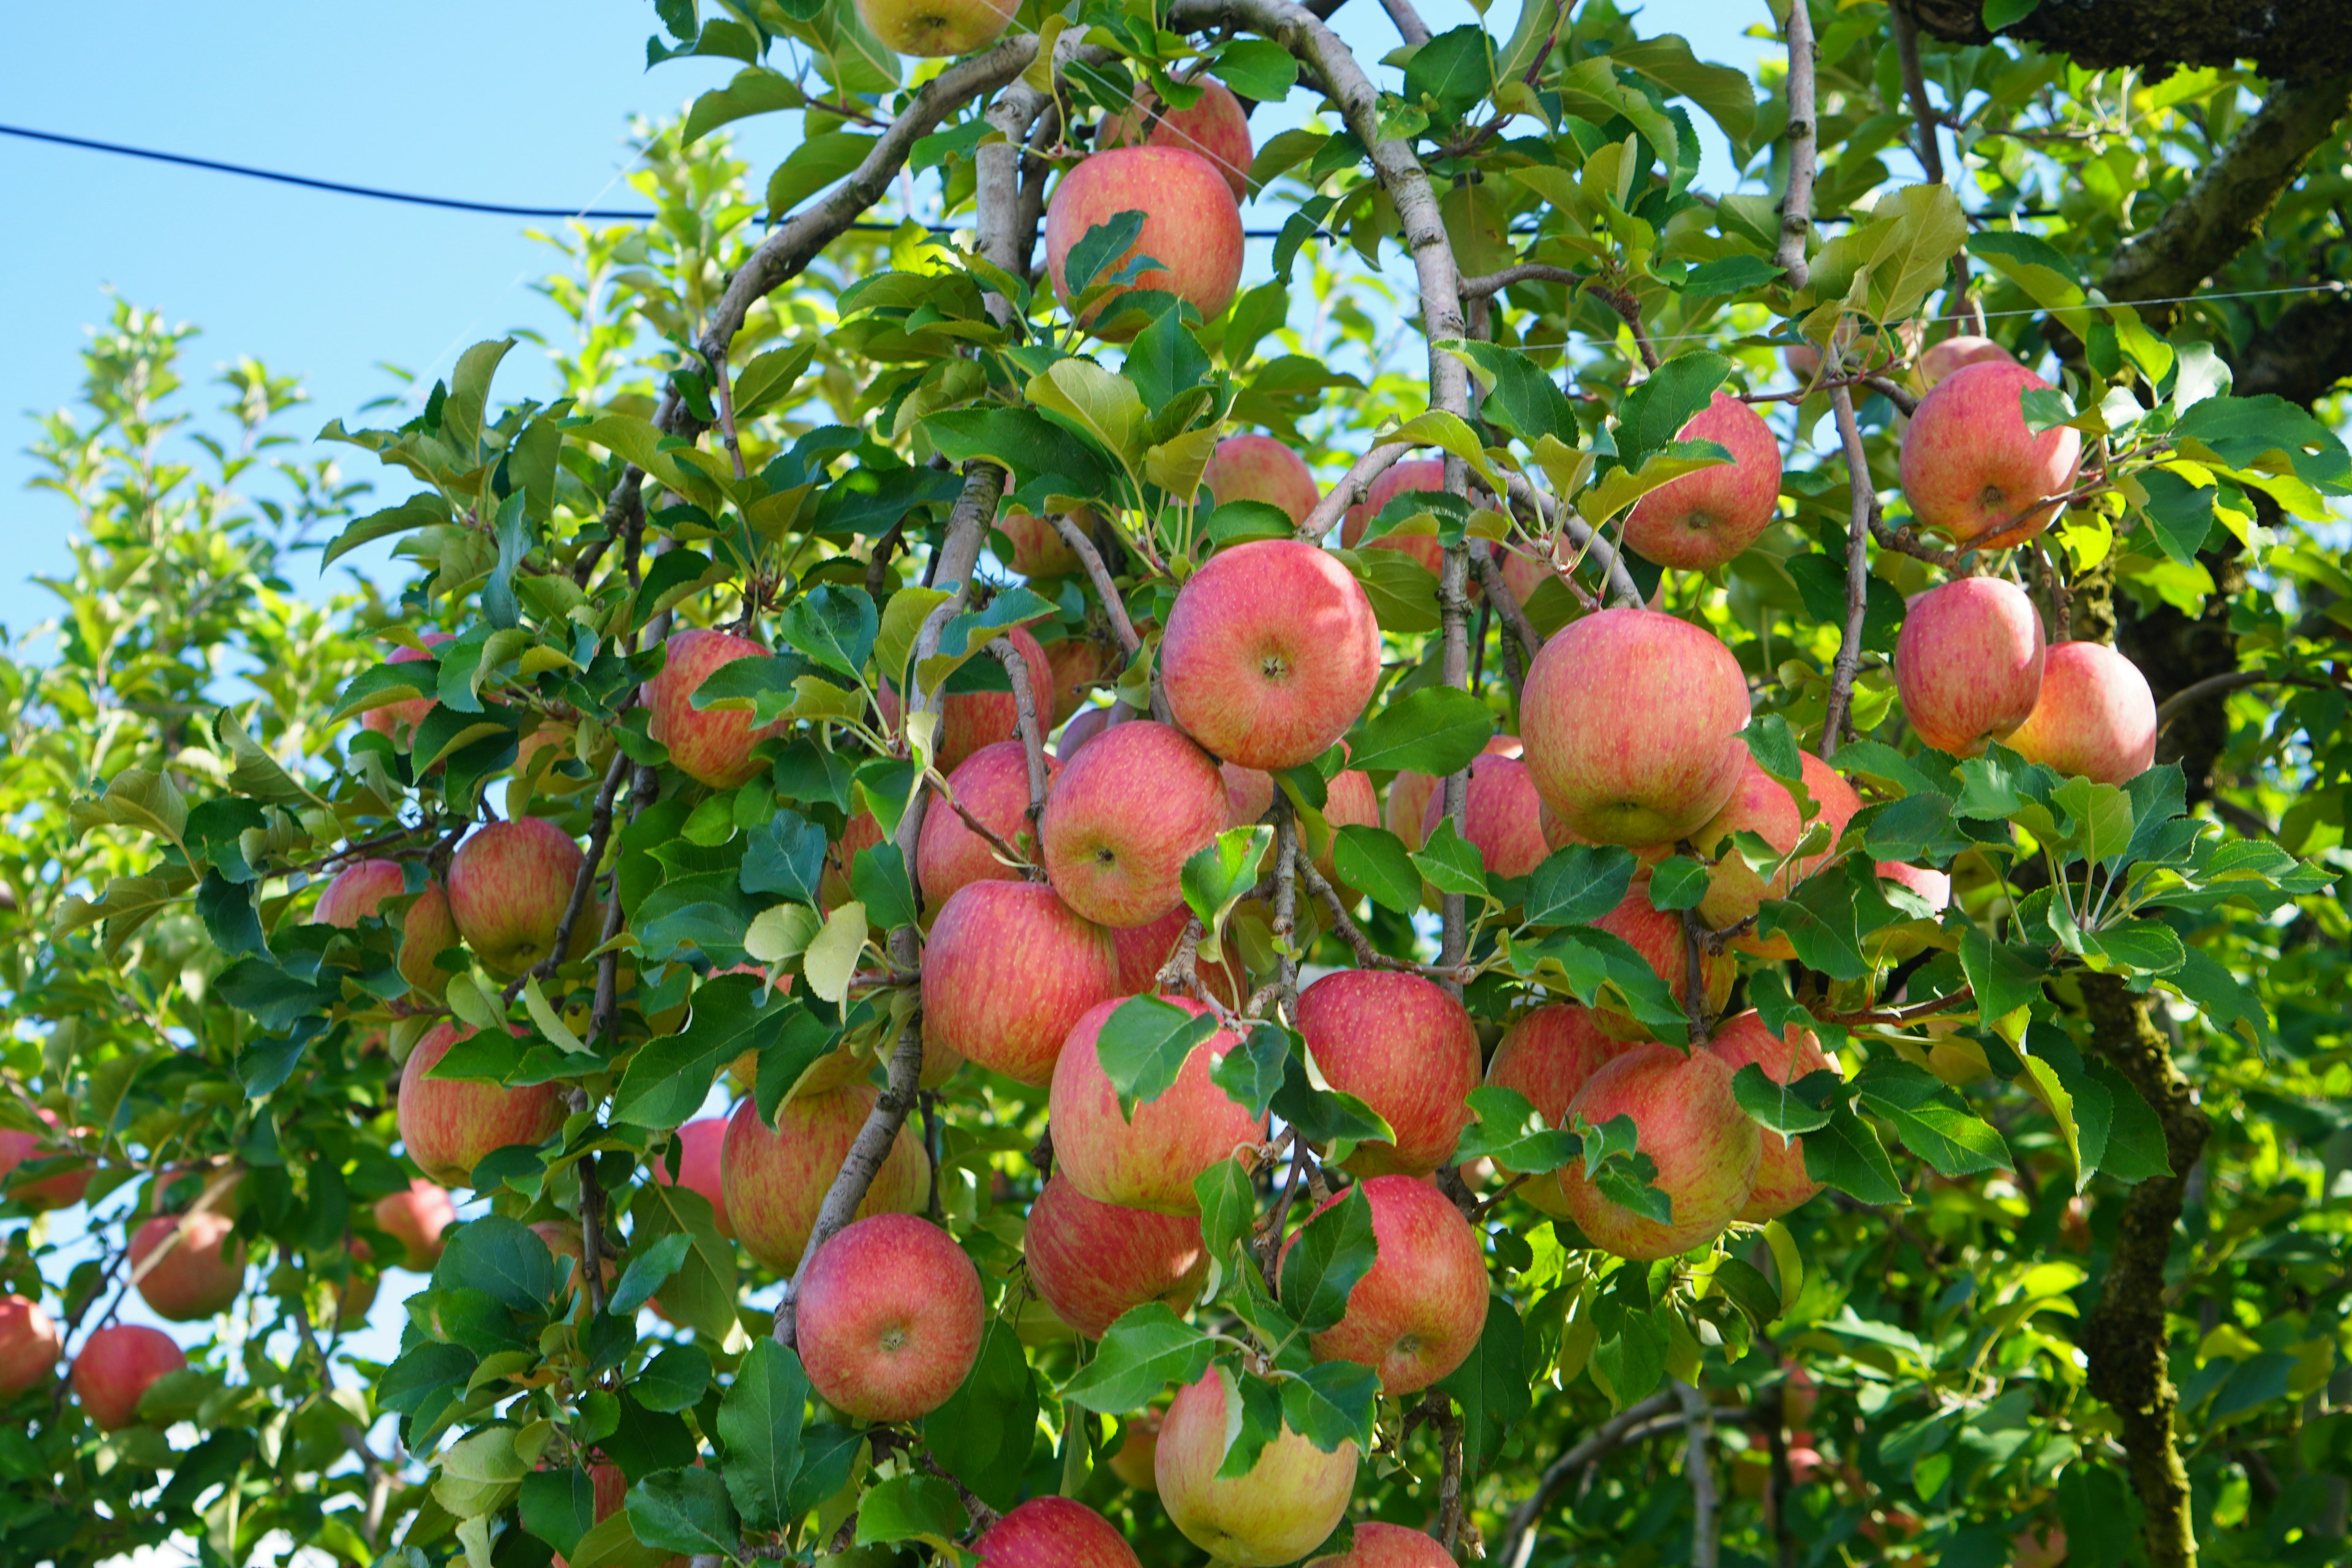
column 1012, row 891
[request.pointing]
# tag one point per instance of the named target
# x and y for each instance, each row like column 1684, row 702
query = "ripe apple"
column 1349, row 801
column 1149, row 1162
column 891, row 1316
column 1078, row 662
column 1249, row 791
column 1936, row 887
column 1629, row 718
column 1657, row 935
column 1270, row 653
column 509, row 887
column 1408, row 793
column 29, row 1345
column 1781, row 1184
column 1125, row 816
column 1704, row 518
column 1502, row 817
column 2094, row 719
column 1417, row 1312
column 1191, row 226
column 1038, row 548
column 116, row 1366
column 1259, row 468
column 1216, row 127
column 993, row 784
column 775, row 1180
column 415, row 1218
column 1281, row 1509
column 1086, row 724
column 1009, row 969
column 935, row 29
column 1547, row 1056
column 1379, row 1545
column 698, row 1145
column 402, row 718
column 1133, row 1462
column 1763, row 806
column 360, row 891
column 970, row 720
column 1940, row 360
column 1970, row 467
column 1403, row 1047
column 448, row 1124
column 1414, row 474
column 202, row 1272
column 61, row 1190
column 1055, row 1532
column 1969, row 663
column 1091, row 1261
column 1140, row 951
column 357, row 1293
column 712, row 746
column 1687, row 1120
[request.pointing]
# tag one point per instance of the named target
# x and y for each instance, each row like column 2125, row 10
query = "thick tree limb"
column 1797, row 200
column 2304, row 356
column 2285, row 38
column 1409, row 25
column 1698, row 1467
column 1516, row 628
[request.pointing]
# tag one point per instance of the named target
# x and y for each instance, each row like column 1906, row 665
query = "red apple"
column 360, row 891
column 1502, row 816
column 1125, row 816
column 1415, row 473
column 1080, row 662
column 1141, row 951
column 935, row 29
column 1053, row 1532
column 357, row 1293
column 1259, row 468
column 1701, row 520
column 1216, row 127
column 1657, row 935
column 29, row 1345
column 1629, row 718
column 993, row 784
column 1936, row 887
column 1088, row 724
column 509, row 887
column 1546, row 1056
column 201, row 1273
column 1248, row 793
column 1417, row 1313
column 775, row 1180
column 1971, row 469
column 713, row 746
column 833, row 889
column 401, row 718
column 116, row 1366
column 1270, row 653
column 1281, row 1509
column 1408, row 793
column 1349, row 801
column 1149, row 1162
column 1092, row 1262
column 1940, row 360
column 2094, row 719
column 1687, row 1120
column 1191, row 226
column 1133, row 1462
column 1379, row 1545
column 1763, row 806
column 61, row 1190
column 698, row 1145
column 1781, row 1184
column 1969, row 663
column 1008, row 970
column 970, row 720
column 1038, row 548
column 415, row 1218
column 1403, row 1047
column 891, row 1316
column 448, row 1124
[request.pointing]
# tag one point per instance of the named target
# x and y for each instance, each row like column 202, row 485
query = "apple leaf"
column 1251, row 1074
column 1100, row 246
column 983, row 1435
column 1844, row 1153
column 701, row 1294
column 684, row 1510
column 676, row 1377
column 1578, row 884
column 1253, row 1419
column 558, row 1506
column 1376, row 860
column 1148, row 1348
column 1331, row 1403
column 1143, row 1045
column 1436, row 731
column 1492, row 1385
column 1620, row 1171
column 1510, row 1133
column 1325, row 1115
column 913, row 1506
column 645, row 1273
column 759, row 1421
column 668, row 1078
column 1215, row 878
column 1930, row 1118
column 1677, row 883
column 1452, row 863
column 1228, row 1207
column 1333, row 1251
column 1790, row 1109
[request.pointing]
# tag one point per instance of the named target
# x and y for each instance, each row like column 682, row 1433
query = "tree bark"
column 2285, row 38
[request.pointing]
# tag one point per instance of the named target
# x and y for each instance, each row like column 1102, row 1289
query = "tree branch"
column 1519, row 1534
column 1698, row 1465
column 1488, row 284
column 1603, row 555
column 1409, row 25
column 1857, row 570
column 864, row 1163
column 1352, row 489
column 1797, row 200
column 1515, row 625
column 1024, row 720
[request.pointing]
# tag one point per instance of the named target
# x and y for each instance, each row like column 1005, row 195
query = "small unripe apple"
column 1379, row 1545
column 1092, row 1262
column 1417, row 1312
column 1009, row 970
column 1149, row 1161
column 891, row 1316
column 699, row 1167
column 935, row 29
column 1502, row 816
column 1259, row 468
column 509, row 887
column 1277, row 1513
column 1125, row 816
column 1702, row 520
column 1972, row 470
column 992, row 785
column 1038, row 548
column 1053, row 1532
column 1657, row 935
column 1191, row 226
column 1403, row 1047
column 1687, row 1120
column 1402, row 478
column 1546, row 1056
column 201, row 1273
column 398, row 719
column 1781, row 1184
column 1940, row 360
column 1629, row 718
column 1270, row 653
column 970, row 720
column 1216, row 127
column 60, row 1191
column 415, row 1218
column 775, row 1180
column 29, row 1345
column 448, row 1124
column 115, row 1367
column 713, row 746
column 2094, row 719
column 1969, row 663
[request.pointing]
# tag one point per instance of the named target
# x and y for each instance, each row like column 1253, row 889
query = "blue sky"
column 523, row 101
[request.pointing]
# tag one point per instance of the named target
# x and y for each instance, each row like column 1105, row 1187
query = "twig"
column 715, row 356
column 863, row 1165
column 604, row 1015
column 2223, row 685
column 1905, row 540
column 1518, row 1533
column 1106, row 590
column 1453, row 617
column 1409, row 25
column 1269, row 1236
column 1006, row 852
column 592, row 1236
column 1488, row 284
column 877, row 570
column 600, row 833
column 1353, row 489
column 1366, row 955
column 1515, row 625
column 1287, row 862
column 1695, row 945
column 1857, row 562
column 1449, row 1476
column 1629, row 310
column 1698, row 1429
column 1024, row 720
column 1617, row 580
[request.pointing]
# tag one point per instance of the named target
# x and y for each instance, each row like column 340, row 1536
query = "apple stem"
column 1343, row 924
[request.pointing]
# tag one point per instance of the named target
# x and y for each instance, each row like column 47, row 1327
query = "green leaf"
column 1629, row 1181
column 985, row 1434
column 2003, row 976
column 1228, row 1205
column 1143, row 1045
column 684, row 1510
column 1217, row 877
column 1577, row 885
column 1930, row 1117
column 227, row 909
column 1651, row 416
column 558, row 1506
column 759, row 1421
column 1376, row 862
column 1141, row 1355
column 1509, row 1131
column 877, row 875
column 1323, row 1115
column 1521, row 397
column 1331, row 1403
column 1790, row 1110
column 1726, row 275
column 676, row 1376
column 701, row 1294
column 2030, row 262
column 1101, row 245
column 1725, row 93
column 1844, row 1153
column 503, row 1258
column 2000, row 14
column 1333, row 1251
column 1451, row 862
column 1493, row 1386
column 1436, row 729
column 1251, row 1073
column 1677, row 883
column 645, row 1276
column 667, row 1080
column 816, row 163
column 1023, row 441
column 753, row 90
column 1257, row 68
column 834, row 625
column 1454, row 71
